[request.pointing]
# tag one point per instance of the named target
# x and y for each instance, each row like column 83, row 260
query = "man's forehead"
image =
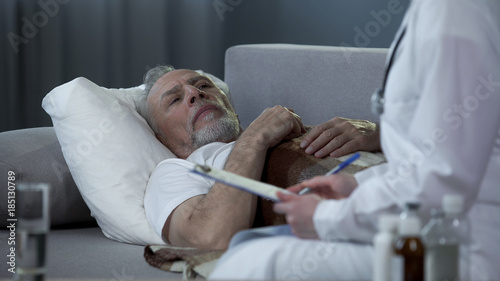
column 174, row 78
column 177, row 76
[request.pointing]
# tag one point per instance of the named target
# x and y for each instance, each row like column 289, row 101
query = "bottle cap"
column 388, row 223
column 409, row 226
column 453, row 203
column 412, row 206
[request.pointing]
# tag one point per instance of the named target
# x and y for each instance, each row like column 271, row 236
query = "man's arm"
column 209, row 221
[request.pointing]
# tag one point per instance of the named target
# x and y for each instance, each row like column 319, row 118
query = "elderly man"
column 194, row 119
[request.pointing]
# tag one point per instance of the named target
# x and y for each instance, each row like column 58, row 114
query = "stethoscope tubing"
column 378, row 97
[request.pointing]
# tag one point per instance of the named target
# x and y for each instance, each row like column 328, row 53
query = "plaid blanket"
column 286, row 165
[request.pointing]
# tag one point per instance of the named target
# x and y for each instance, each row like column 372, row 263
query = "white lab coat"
column 440, row 132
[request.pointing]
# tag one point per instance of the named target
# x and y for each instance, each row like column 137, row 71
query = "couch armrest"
column 318, row 82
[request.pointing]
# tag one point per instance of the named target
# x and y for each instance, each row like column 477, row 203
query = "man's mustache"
column 199, row 106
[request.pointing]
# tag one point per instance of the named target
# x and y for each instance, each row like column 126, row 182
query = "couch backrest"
column 318, row 82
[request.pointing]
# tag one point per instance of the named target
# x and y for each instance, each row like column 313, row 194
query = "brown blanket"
column 191, row 262
column 286, row 165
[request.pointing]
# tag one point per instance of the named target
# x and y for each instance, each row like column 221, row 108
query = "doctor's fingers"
column 286, row 204
column 297, row 187
column 299, row 214
column 282, row 208
column 315, row 184
column 321, row 185
column 332, row 187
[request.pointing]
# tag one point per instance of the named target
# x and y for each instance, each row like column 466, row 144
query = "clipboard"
column 265, row 190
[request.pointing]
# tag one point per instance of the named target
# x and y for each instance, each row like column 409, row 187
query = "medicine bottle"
column 383, row 243
column 456, row 219
column 441, row 249
column 409, row 246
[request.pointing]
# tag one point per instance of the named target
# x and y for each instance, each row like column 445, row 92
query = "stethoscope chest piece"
column 377, row 102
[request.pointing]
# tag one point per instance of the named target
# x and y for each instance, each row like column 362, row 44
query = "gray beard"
column 226, row 129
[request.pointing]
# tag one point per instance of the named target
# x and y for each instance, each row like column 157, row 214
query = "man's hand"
column 340, row 136
column 272, row 126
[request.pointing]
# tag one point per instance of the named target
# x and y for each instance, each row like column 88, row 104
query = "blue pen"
column 334, row 170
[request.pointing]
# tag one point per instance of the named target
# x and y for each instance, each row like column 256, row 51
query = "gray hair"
column 150, row 79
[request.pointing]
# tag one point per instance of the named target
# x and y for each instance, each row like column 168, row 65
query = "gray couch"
column 318, row 82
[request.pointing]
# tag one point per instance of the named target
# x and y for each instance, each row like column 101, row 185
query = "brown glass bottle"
column 409, row 246
column 411, row 250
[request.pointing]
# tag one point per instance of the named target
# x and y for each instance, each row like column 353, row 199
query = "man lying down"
column 192, row 117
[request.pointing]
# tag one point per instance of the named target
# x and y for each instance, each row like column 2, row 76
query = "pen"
column 334, row 170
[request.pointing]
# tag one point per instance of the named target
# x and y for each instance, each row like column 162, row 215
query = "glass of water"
column 33, row 223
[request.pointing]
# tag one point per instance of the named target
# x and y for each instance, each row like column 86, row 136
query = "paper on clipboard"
column 264, row 190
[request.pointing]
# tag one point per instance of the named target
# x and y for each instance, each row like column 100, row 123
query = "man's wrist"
column 255, row 143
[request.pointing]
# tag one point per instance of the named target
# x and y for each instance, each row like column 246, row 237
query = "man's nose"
column 193, row 93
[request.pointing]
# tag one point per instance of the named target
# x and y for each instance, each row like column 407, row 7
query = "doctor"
column 440, row 132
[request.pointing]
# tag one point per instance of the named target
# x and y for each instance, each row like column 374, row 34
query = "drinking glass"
column 33, row 223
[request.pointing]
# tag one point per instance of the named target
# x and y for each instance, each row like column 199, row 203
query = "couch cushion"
column 34, row 155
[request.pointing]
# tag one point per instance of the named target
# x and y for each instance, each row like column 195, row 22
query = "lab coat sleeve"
column 438, row 129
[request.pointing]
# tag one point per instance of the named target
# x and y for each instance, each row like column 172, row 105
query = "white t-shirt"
column 172, row 183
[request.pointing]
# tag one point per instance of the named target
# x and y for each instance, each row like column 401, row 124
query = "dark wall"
column 113, row 42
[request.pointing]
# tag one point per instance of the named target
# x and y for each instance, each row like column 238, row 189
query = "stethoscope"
column 377, row 98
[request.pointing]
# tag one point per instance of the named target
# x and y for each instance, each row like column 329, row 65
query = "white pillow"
column 110, row 151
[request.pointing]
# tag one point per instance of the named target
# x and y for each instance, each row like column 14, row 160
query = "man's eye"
column 203, row 86
column 174, row 100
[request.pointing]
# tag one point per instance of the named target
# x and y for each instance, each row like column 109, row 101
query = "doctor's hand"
column 340, row 136
column 336, row 186
column 299, row 211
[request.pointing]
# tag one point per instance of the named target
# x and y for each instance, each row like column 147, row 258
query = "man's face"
column 191, row 112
